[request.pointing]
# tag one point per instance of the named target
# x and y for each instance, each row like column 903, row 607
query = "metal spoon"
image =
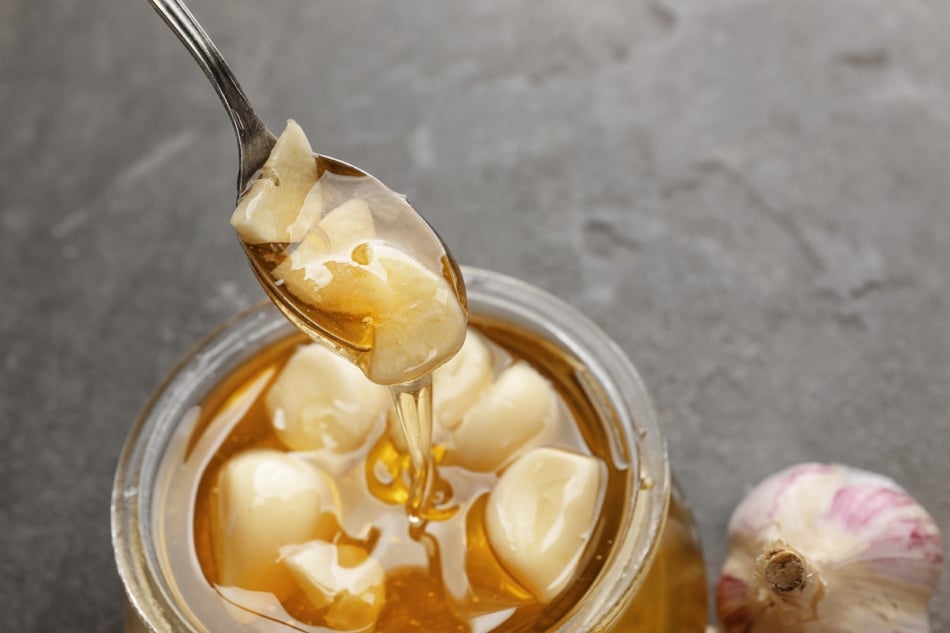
column 406, row 227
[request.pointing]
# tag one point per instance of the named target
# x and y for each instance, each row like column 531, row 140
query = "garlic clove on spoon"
column 309, row 215
column 338, row 284
column 349, row 224
column 274, row 199
column 824, row 548
column 425, row 324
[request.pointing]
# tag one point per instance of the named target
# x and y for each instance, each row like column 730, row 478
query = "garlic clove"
column 540, row 517
column 516, row 408
column 319, row 400
column 457, row 384
column 342, row 579
column 832, row 549
column 337, row 231
column 387, row 302
column 347, row 225
column 426, row 321
column 351, row 285
column 311, row 211
column 275, row 197
column 331, row 269
column 265, row 500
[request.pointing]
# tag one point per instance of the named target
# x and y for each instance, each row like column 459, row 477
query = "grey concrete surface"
column 751, row 196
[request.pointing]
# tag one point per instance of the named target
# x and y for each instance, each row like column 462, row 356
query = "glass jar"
column 652, row 579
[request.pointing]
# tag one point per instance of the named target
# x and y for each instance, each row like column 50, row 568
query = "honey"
column 446, row 577
column 641, row 570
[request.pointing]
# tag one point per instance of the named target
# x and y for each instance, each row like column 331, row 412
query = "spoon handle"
column 254, row 140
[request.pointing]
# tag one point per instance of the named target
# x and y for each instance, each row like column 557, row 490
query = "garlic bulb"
column 829, row 549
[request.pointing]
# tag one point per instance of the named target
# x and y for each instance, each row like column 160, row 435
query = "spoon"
column 397, row 222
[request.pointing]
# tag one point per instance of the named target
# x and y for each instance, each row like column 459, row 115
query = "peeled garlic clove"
column 350, row 285
column 276, row 196
column 514, row 409
column 321, row 401
column 311, row 211
column 347, row 225
column 829, row 549
column 540, row 517
column 426, row 322
column 458, row 383
column 266, row 500
column 385, row 301
column 337, row 232
column 341, row 579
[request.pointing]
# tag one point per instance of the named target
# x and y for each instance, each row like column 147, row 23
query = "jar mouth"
column 607, row 376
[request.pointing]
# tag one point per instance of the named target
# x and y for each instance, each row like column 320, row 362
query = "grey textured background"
column 749, row 195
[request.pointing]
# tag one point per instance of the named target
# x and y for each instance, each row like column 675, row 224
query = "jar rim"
column 492, row 295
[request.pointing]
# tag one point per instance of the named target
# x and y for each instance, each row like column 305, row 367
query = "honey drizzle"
column 414, row 409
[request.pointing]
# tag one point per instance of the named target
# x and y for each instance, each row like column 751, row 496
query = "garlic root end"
column 784, row 570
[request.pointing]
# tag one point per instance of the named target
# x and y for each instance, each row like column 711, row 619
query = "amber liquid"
column 441, row 575
column 413, row 403
column 350, row 331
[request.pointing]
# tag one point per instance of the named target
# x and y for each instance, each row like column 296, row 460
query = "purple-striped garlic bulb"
column 829, row 549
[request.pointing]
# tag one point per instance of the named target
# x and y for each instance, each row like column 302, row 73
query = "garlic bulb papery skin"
column 822, row 548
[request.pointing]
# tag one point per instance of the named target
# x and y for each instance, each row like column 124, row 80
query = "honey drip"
column 414, row 409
